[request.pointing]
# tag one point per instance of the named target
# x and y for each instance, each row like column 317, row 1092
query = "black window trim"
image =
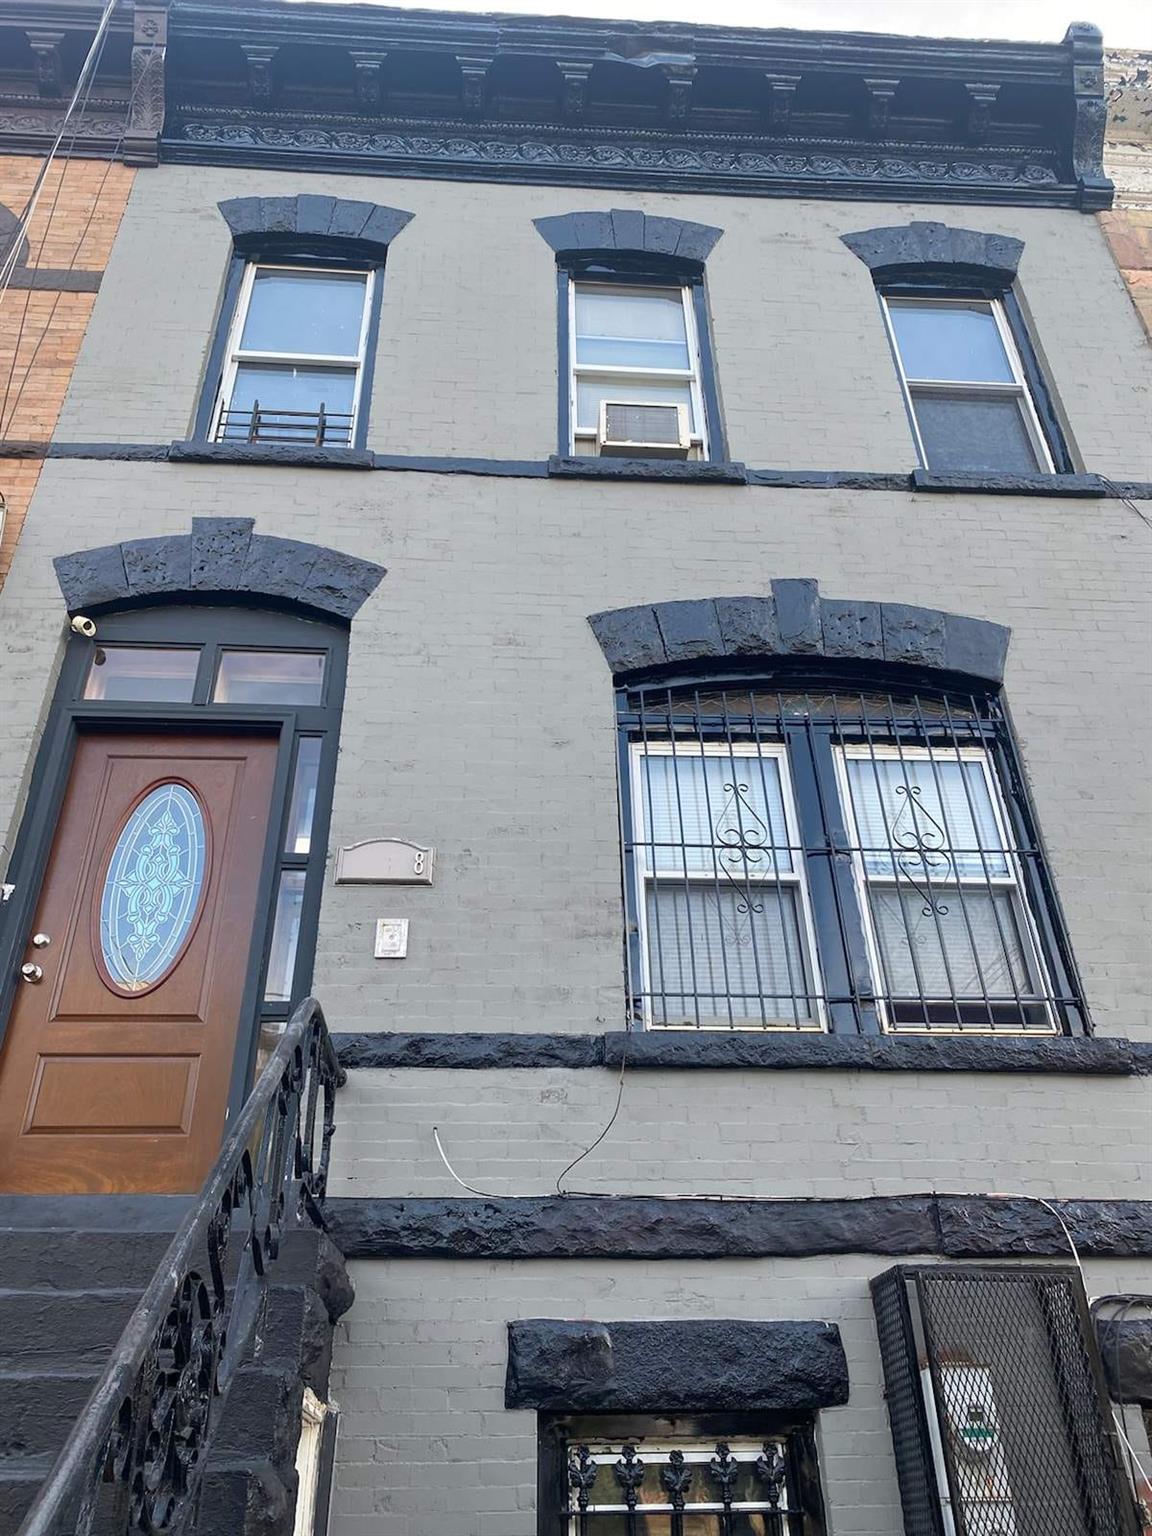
column 957, row 285
column 293, row 251
column 841, row 946
column 639, row 269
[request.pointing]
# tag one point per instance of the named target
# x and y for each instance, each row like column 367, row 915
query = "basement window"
column 700, row 1476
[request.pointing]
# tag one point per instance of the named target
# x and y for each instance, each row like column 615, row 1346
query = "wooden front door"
column 115, row 1073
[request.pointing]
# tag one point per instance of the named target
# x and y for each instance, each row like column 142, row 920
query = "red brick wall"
column 1129, row 235
column 41, row 331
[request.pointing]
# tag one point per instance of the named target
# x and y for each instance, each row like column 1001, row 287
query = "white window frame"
column 972, row 389
column 796, row 878
column 1011, row 880
column 698, row 437
column 234, row 354
column 696, row 1453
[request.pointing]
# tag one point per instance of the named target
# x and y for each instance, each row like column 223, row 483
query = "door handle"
column 31, row 972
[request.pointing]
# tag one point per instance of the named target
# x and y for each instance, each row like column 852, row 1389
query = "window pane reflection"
column 142, row 672
column 285, row 937
column 303, row 806
column 270, row 677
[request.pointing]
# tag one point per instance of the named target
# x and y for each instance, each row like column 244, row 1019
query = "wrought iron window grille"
column 839, row 860
column 679, row 1478
column 997, row 1404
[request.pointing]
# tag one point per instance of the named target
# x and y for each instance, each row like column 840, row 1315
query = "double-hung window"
column 294, row 365
column 968, row 395
column 835, row 859
column 635, row 370
column 724, row 925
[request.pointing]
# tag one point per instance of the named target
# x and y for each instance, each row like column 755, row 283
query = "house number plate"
column 384, row 861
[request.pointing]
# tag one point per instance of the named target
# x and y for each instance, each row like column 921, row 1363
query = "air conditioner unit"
column 629, row 428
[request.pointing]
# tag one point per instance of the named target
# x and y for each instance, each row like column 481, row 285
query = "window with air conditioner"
column 294, row 364
column 635, row 385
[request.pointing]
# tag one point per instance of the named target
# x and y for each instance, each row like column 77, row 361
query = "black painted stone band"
column 796, row 621
column 370, row 227
column 646, row 1227
column 628, row 229
column 648, row 1050
column 924, row 246
column 301, row 456
column 222, row 556
column 699, row 1365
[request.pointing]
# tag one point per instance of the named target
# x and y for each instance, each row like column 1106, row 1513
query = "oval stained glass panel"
column 152, row 887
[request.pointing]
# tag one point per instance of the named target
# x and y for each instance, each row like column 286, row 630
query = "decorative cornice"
column 628, row 229
column 704, row 162
column 795, row 621
column 591, row 103
column 222, row 557
column 368, row 227
column 924, row 247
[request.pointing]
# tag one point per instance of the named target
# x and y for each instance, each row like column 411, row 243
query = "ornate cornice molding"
column 624, row 158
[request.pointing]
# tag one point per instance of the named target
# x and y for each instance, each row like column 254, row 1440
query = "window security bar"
column 997, row 1404
column 272, row 424
column 726, row 1489
column 844, row 860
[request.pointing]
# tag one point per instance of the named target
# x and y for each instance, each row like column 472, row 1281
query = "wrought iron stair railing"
column 135, row 1459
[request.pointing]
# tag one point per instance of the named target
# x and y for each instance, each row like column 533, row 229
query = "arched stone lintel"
column 221, row 557
column 627, row 229
column 908, row 250
column 796, row 621
column 372, row 226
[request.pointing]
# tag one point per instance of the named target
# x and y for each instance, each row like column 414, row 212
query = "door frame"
column 70, row 716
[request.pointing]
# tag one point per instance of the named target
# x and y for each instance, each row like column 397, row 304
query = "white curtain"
column 730, row 807
column 717, row 953
column 939, row 810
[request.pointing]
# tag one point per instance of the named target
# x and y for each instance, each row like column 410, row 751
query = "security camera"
column 82, row 625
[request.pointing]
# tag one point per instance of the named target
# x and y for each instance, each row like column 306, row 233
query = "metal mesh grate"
column 906, row 1409
column 843, row 860
column 1019, row 1440
column 642, row 423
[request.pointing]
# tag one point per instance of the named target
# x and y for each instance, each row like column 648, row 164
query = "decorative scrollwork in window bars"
column 135, row 1458
column 692, row 1486
column 845, row 859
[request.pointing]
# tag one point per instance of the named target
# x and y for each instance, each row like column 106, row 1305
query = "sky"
column 1125, row 23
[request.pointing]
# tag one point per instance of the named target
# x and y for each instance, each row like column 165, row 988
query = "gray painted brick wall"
column 479, row 718
column 479, row 714
column 805, row 372
column 427, row 1448
column 827, row 1134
